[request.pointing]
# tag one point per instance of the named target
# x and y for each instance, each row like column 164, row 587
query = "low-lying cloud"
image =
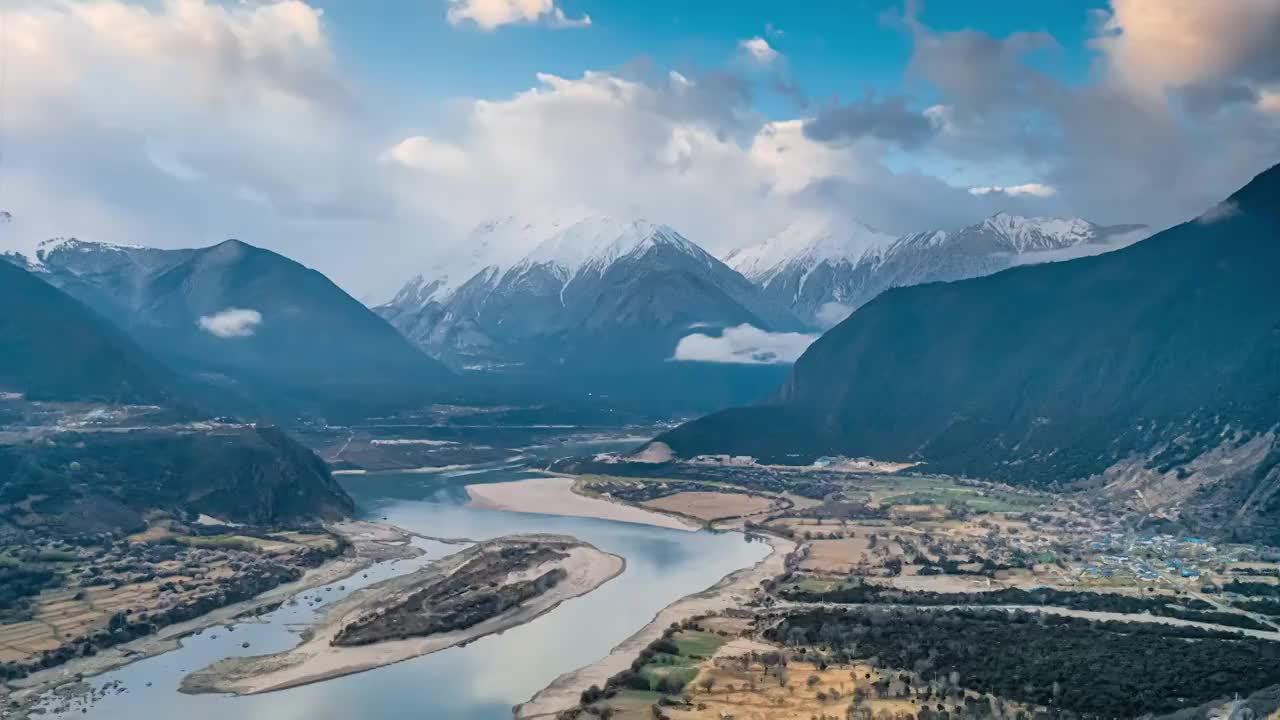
column 833, row 313
column 232, row 323
column 1221, row 211
column 1033, row 189
column 743, row 345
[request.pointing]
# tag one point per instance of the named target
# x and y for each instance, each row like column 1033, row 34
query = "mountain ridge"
column 559, row 290
column 824, row 271
column 263, row 333
column 1124, row 369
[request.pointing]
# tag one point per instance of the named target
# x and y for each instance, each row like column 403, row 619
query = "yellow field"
column 709, row 506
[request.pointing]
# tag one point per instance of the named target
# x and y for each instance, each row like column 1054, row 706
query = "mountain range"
column 103, row 435
column 607, row 301
column 594, row 305
column 824, row 269
column 1152, row 372
column 251, row 330
column 596, row 289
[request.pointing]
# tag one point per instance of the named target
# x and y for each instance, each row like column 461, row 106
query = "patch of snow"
column 597, row 242
column 1030, row 234
column 808, row 242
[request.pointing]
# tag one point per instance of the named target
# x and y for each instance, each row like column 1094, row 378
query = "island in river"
column 487, row 588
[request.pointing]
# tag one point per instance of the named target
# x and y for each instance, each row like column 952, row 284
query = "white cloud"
column 186, row 122
column 1154, row 45
column 759, row 50
column 1033, row 189
column 672, row 151
column 832, row 313
column 422, row 153
column 232, row 323
column 492, row 14
column 744, row 345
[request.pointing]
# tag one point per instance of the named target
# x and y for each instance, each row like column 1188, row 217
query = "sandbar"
column 555, row 496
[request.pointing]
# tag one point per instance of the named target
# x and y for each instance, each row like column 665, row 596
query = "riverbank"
column 317, row 658
column 370, row 543
column 733, row 590
column 554, row 495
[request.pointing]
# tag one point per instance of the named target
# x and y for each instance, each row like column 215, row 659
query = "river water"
column 481, row 681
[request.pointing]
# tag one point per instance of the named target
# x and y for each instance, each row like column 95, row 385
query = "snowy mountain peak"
column 491, row 248
column 598, row 242
column 808, row 242
column 72, row 245
column 1030, row 234
column 566, row 242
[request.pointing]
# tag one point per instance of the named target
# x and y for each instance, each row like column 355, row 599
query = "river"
column 481, row 681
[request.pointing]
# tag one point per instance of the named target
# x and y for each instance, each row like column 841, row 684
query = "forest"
column 1101, row 669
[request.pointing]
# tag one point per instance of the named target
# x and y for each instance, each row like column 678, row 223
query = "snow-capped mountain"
column 602, row 288
column 812, row 263
column 492, row 247
column 825, row 269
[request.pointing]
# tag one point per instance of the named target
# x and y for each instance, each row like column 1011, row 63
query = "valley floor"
column 892, row 594
column 369, row 543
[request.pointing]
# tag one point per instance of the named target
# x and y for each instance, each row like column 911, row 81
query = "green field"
column 989, row 502
column 670, row 672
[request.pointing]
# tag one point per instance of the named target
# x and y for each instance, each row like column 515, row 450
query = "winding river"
column 481, row 681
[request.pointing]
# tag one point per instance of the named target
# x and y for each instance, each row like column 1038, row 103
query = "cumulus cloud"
column 190, row 121
column 493, row 14
column 231, row 323
column 682, row 149
column 1157, row 45
column 759, row 50
column 744, row 345
column 185, row 122
column 1033, row 189
column 1118, row 148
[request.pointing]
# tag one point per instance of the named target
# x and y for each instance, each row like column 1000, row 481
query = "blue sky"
column 831, row 48
column 367, row 138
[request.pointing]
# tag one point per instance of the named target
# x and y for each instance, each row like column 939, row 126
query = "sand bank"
column 555, row 496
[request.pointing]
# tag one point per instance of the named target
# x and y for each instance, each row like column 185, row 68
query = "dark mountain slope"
column 1164, row 351
column 308, row 348
column 85, row 483
column 54, row 348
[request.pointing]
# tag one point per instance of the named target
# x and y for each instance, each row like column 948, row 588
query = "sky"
column 365, row 138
